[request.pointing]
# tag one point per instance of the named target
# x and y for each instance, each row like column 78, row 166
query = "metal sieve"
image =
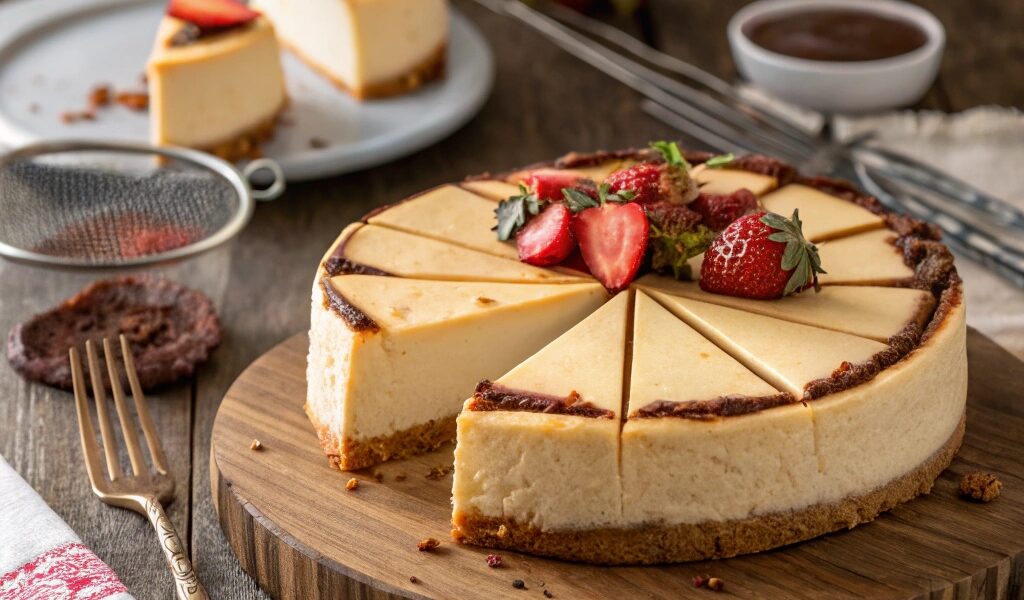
column 93, row 205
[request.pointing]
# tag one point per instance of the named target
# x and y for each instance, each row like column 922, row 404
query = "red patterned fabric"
column 67, row 572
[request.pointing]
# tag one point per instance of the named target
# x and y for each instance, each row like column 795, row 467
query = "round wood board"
column 300, row 534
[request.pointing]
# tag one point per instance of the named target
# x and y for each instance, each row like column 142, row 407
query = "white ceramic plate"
column 53, row 52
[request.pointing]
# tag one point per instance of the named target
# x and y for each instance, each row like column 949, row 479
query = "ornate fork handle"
column 186, row 584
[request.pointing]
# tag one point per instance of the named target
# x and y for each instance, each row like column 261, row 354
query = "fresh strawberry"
column 762, row 256
column 546, row 240
column 667, row 181
column 547, row 184
column 211, row 14
column 612, row 233
column 719, row 210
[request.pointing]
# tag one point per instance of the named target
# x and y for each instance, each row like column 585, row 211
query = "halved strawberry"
column 211, row 14
column 613, row 241
column 547, row 184
column 546, row 239
column 651, row 182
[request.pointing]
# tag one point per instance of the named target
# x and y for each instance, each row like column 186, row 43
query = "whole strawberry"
column 652, row 182
column 764, row 256
column 719, row 210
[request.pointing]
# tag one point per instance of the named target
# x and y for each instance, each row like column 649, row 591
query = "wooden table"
column 544, row 103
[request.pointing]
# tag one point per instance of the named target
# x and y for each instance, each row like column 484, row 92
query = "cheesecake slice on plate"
column 391, row 360
column 215, row 79
column 369, row 48
column 537, row 461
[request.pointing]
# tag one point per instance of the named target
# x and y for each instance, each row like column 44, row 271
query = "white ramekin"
column 840, row 87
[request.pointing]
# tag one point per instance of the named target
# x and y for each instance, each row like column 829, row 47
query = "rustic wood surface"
column 544, row 103
column 301, row 534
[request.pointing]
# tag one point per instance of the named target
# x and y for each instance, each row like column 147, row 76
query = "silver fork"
column 144, row 490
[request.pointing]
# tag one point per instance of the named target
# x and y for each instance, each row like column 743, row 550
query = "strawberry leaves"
column 578, row 200
column 717, row 162
column 513, row 212
column 800, row 256
column 672, row 154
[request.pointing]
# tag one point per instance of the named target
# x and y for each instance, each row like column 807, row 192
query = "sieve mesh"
column 108, row 208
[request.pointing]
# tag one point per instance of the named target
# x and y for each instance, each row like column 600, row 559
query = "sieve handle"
column 277, row 184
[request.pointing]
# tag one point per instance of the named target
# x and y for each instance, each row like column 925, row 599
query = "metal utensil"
column 144, row 490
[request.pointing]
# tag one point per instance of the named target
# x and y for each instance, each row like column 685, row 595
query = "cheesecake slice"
column 369, row 48
column 727, row 181
column 537, row 460
column 376, row 250
column 493, row 189
column 805, row 361
column 877, row 313
column 869, row 258
column 824, row 216
column 218, row 90
column 697, row 415
column 392, row 359
column 451, row 214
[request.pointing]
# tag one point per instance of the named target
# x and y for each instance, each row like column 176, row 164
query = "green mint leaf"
column 717, row 162
column 577, row 200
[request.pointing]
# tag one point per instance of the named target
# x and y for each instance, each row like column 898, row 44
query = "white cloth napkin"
column 983, row 146
column 41, row 558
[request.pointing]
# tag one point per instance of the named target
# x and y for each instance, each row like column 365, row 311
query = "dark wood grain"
column 302, row 535
column 544, row 103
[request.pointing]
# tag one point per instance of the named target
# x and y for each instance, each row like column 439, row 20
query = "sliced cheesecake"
column 369, row 48
column 878, row 313
column 869, row 258
column 391, row 359
column 802, row 360
column 376, row 250
column 494, row 189
column 698, row 415
column 219, row 90
column 727, row 181
column 537, row 460
column 824, row 216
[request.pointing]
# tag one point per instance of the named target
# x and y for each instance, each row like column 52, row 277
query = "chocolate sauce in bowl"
column 836, row 35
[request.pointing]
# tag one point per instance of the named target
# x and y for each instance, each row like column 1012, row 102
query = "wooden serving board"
column 300, row 534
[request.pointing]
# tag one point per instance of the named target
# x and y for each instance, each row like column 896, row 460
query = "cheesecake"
column 368, row 48
column 214, row 87
column 535, row 438
column 609, row 411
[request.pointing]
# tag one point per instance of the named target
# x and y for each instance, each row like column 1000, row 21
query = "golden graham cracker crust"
column 247, row 145
column 430, row 69
column 352, row 455
column 652, row 544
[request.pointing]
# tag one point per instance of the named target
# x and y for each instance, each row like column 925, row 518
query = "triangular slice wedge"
column 698, row 415
column 492, row 189
column 727, row 181
column 824, row 216
column 878, row 313
column 392, row 359
column 869, row 258
column 805, row 361
column 452, row 214
column 381, row 250
column 546, row 431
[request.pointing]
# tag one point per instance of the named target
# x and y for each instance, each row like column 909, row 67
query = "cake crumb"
column 716, row 584
column 485, row 301
column 73, row 116
column 33, row 108
column 99, row 96
column 352, row 484
column 137, row 101
column 256, row 445
column 428, row 544
column 494, row 561
column 502, row 531
column 548, row 594
column 980, row 486
column 378, row 476
column 318, row 143
column 519, row 584
column 700, row 580
column 437, row 473
column 400, row 477
column 413, row 579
